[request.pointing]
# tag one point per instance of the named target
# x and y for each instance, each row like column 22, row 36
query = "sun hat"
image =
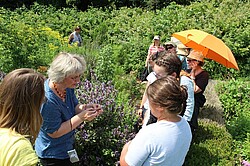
column 157, row 37
column 197, row 55
column 170, row 43
column 182, row 49
column 181, row 46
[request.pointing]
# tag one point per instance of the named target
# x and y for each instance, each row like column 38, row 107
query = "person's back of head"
column 21, row 95
column 167, row 93
column 170, row 62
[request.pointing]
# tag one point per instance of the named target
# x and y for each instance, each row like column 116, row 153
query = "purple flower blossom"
column 99, row 142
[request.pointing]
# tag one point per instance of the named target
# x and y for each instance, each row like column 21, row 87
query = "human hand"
column 139, row 112
column 96, row 107
column 88, row 114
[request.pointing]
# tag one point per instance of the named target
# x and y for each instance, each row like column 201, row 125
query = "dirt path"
column 212, row 110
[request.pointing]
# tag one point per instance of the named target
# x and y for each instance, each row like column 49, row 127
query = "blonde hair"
column 66, row 64
column 21, row 96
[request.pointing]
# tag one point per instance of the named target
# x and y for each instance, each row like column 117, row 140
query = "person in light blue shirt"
column 166, row 142
column 170, row 64
column 182, row 53
column 61, row 111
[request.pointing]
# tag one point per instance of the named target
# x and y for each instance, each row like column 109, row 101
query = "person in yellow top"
column 21, row 96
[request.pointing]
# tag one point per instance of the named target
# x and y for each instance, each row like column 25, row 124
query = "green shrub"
column 100, row 142
column 130, row 31
column 234, row 96
column 211, row 146
column 25, row 46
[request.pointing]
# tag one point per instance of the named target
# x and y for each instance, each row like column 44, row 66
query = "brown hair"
column 167, row 93
column 170, row 62
column 21, row 96
column 78, row 28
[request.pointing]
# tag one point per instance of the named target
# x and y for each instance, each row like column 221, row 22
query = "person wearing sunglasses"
column 170, row 47
column 168, row 64
column 200, row 79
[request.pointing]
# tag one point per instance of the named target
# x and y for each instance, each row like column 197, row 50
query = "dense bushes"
column 115, row 47
column 128, row 31
column 212, row 145
column 234, row 95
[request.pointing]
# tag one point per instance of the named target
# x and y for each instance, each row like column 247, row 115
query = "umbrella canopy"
column 211, row 46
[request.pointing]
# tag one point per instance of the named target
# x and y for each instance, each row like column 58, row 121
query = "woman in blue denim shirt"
column 61, row 111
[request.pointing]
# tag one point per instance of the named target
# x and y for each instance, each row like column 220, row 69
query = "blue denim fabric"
column 54, row 112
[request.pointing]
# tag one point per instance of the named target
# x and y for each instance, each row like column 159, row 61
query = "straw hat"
column 182, row 50
column 197, row 55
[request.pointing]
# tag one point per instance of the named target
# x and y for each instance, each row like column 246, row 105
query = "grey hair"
column 66, row 64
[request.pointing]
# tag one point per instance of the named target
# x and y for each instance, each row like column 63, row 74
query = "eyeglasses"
column 169, row 47
column 75, row 77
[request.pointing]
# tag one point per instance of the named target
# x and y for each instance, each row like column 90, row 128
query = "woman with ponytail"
column 169, row 64
column 166, row 142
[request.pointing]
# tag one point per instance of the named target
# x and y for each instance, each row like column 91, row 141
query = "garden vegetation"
column 115, row 44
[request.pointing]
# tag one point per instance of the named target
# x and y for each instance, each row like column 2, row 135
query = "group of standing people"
column 170, row 116
column 45, row 112
column 190, row 73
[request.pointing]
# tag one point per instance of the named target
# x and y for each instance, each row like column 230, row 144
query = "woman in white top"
column 76, row 37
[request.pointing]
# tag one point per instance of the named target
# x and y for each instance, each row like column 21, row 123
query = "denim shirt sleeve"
column 51, row 117
column 190, row 100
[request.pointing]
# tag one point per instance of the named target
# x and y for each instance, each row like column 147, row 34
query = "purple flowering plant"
column 100, row 142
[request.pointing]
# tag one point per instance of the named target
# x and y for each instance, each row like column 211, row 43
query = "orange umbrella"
column 211, row 46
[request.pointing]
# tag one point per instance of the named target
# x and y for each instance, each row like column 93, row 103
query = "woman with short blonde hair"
column 62, row 113
column 65, row 64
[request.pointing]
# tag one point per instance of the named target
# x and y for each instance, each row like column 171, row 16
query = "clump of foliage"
column 234, row 96
column 211, row 146
column 129, row 31
column 100, row 142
